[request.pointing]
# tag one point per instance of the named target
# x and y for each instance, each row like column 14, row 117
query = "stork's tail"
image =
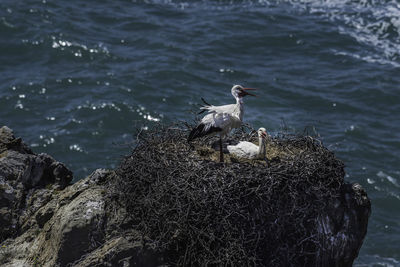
column 202, row 130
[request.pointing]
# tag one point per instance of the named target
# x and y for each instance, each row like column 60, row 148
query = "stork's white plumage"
column 222, row 119
column 249, row 150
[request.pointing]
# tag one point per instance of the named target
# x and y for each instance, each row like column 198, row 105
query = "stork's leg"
column 221, row 154
column 267, row 161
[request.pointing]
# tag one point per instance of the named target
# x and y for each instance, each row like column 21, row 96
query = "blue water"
column 78, row 78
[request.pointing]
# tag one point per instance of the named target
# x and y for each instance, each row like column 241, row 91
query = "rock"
column 25, row 176
column 44, row 214
column 343, row 226
column 9, row 142
column 74, row 228
column 46, row 221
column 61, row 231
column 127, row 250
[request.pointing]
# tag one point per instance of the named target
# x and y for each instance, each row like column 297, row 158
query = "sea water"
column 78, row 79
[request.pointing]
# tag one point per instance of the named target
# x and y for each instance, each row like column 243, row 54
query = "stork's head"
column 239, row 91
column 262, row 133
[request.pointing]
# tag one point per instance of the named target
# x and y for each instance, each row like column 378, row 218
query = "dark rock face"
column 45, row 221
column 9, row 142
column 343, row 226
column 22, row 172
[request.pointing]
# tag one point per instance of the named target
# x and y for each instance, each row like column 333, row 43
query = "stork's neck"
column 239, row 100
column 240, row 107
column 261, row 147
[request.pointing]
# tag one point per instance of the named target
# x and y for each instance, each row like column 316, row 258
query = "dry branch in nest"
column 196, row 211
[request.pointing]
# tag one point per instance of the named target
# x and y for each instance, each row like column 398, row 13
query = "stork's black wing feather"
column 200, row 130
column 205, row 102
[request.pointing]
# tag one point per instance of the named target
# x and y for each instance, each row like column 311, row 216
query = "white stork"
column 222, row 119
column 249, row 150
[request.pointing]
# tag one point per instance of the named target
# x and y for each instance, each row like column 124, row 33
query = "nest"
column 195, row 211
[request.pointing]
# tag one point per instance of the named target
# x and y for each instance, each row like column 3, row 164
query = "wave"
column 373, row 24
column 376, row 260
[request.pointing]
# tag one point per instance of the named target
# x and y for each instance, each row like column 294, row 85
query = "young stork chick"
column 249, row 150
column 222, row 119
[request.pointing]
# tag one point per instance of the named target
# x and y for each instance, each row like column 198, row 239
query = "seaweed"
column 196, row 211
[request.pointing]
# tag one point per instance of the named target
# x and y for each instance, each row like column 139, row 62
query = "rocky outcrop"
column 66, row 226
column 46, row 221
column 25, row 180
column 343, row 226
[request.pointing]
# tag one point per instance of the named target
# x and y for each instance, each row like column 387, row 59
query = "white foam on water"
column 389, row 178
column 77, row 48
column 370, row 58
column 376, row 260
column 374, row 24
column 371, row 23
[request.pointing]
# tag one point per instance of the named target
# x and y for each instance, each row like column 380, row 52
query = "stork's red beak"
column 244, row 92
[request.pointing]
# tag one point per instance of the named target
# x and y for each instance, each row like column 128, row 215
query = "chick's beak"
column 264, row 134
